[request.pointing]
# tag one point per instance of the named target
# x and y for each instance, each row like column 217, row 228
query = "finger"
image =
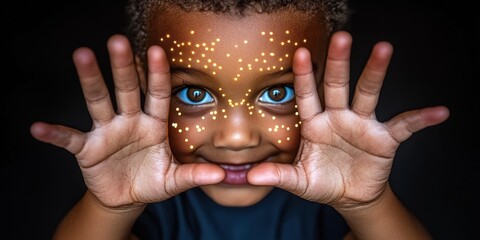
column 191, row 175
column 407, row 123
column 370, row 82
column 68, row 138
column 306, row 94
column 337, row 71
column 94, row 89
column 157, row 102
column 284, row 176
column 127, row 91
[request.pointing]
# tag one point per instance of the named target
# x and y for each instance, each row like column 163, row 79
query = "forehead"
column 254, row 38
column 174, row 18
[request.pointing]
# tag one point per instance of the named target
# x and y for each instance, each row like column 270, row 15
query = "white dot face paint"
column 233, row 101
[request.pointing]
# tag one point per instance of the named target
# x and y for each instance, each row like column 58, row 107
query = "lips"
column 238, row 166
column 236, row 174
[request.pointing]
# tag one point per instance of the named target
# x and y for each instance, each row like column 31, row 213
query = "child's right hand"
column 125, row 158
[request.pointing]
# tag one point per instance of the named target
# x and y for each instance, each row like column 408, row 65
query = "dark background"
column 435, row 62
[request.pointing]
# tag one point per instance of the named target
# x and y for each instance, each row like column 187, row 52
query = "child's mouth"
column 236, row 174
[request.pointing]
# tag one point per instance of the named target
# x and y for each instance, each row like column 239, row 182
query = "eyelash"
column 289, row 95
column 179, row 89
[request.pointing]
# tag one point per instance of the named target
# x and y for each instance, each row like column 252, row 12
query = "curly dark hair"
column 139, row 12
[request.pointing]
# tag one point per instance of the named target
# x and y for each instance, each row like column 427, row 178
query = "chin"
column 236, row 195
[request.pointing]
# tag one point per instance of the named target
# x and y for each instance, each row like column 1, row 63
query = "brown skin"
column 341, row 156
column 239, row 65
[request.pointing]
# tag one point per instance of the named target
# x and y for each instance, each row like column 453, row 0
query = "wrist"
column 90, row 219
column 383, row 218
column 376, row 204
column 124, row 210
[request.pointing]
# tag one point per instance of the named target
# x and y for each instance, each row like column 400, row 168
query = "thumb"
column 191, row 175
column 281, row 175
column 61, row 136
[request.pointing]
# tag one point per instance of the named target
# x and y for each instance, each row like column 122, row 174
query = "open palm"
column 345, row 155
column 125, row 158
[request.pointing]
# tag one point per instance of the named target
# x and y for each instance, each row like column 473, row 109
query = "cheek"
column 186, row 132
column 282, row 131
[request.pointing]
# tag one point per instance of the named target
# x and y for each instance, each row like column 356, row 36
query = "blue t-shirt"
column 280, row 215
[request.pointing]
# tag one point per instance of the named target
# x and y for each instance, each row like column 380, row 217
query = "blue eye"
column 194, row 96
column 277, row 95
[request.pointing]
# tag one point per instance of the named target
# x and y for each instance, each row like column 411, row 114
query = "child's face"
column 233, row 102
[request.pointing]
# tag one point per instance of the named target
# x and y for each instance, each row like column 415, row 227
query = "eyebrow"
column 178, row 69
column 288, row 70
column 278, row 73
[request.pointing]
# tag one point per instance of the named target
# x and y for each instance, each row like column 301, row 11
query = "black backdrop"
column 435, row 62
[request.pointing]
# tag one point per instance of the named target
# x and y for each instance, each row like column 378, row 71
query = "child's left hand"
column 346, row 154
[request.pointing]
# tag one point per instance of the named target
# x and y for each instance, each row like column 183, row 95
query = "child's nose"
column 237, row 132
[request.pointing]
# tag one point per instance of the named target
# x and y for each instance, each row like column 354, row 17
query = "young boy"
column 246, row 130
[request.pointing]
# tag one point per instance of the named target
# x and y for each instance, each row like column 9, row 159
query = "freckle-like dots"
column 264, row 61
column 267, row 62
